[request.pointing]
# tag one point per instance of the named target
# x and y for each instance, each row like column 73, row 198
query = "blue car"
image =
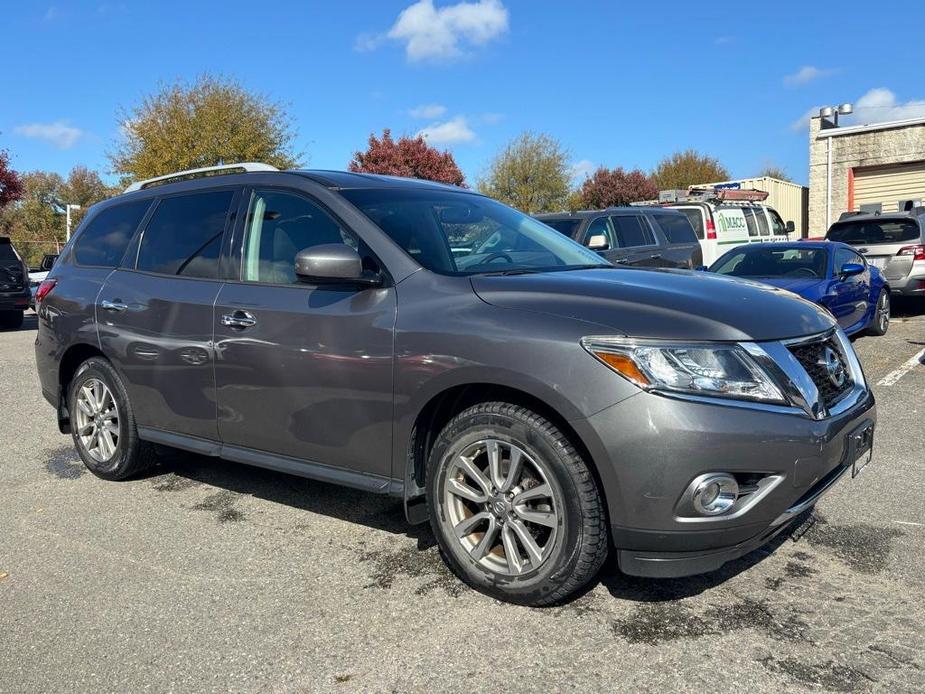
column 828, row 273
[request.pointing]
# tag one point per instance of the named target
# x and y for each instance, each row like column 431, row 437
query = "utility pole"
column 67, row 210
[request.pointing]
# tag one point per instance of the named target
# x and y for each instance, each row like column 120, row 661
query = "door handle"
column 239, row 319
column 655, row 256
column 115, row 306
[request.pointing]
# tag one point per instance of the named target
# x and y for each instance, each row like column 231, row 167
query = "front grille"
column 824, row 362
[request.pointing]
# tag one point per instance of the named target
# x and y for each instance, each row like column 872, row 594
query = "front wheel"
column 881, row 320
column 514, row 507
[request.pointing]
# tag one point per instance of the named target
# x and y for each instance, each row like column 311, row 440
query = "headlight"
column 716, row 370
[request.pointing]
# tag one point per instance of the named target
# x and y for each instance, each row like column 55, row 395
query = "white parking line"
column 909, row 523
column 894, row 376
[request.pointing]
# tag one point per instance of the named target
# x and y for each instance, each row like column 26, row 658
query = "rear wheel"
column 103, row 423
column 515, row 509
column 881, row 320
column 11, row 320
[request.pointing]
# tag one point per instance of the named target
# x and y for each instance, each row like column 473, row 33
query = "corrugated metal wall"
column 791, row 200
column 888, row 185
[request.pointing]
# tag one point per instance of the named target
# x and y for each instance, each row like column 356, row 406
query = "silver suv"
column 537, row 405
column 894, row 243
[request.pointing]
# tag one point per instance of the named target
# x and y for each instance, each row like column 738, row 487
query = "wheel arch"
column 73, row 357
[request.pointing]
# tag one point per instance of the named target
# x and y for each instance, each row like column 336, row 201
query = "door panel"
column 852, row 294
column 311, row 378
column 161, row 344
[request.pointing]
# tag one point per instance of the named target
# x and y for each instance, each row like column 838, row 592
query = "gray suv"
column 538, row 405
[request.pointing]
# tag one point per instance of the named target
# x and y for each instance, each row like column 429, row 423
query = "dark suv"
column 635, row 236
column 536, row 403
column 14, row 286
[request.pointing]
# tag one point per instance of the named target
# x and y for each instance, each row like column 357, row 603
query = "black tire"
column 11, row 320
column 879, row 326
column 132, row 455
column 581, row 540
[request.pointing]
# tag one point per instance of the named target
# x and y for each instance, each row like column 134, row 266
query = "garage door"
column 887, row 185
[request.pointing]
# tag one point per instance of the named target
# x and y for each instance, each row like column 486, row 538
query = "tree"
column 409, row 156
column 11, row 188
column 687, row 168
column 213, row 121
column 531, row 173
column 773, row 171
column 614, row 187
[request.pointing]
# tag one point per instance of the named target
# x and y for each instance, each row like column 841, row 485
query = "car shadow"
column 30, row 321
column 907, row 307
column 387, row 514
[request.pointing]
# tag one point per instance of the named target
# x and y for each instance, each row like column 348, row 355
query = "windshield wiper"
column 520, row 271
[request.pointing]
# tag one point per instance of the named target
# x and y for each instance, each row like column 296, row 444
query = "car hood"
column 663, row 304
column 800, row 285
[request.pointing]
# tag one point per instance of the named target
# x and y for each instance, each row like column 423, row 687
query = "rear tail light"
column 711, row 230
column 44, row 290
column 917, row 252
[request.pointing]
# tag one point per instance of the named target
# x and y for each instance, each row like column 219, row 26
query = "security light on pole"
column 67, row 211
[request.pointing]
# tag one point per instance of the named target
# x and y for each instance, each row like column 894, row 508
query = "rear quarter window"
column 677, row 227
column 695, row 217
column 103, row 241
column 563, row 226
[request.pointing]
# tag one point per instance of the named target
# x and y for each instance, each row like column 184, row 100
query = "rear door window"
column 763, row 228
column 677, row 227
column 873, row 232
column 103, row 241
column 695, row 217
column 184, row 235
column 632, row 231
column 750, row 221
column 563, row 226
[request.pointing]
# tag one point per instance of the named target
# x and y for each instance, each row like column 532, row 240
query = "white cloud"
column 878, row 105
column 59, row 134
column 807, row 74
column 449, row 132
column 427, row 111
column 581, row 170
column 492, row 118
column 438, row 33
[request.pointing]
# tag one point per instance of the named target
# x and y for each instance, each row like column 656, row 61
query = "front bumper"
column 651, row 447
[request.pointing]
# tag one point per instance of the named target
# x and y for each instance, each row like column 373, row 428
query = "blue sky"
column 617, row 83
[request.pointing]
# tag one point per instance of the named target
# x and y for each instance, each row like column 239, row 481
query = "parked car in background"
column 537, row 405
column 14, row 286
column 725, row 218
column 37, row 275
column 635, row 236
column 894, row 243
column 832, row 275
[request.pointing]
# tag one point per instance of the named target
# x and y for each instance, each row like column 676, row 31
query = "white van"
column 725, row 218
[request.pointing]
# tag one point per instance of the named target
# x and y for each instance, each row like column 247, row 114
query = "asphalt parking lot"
column 205, row 575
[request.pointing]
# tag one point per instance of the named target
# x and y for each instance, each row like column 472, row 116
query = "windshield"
column 464, row 234
column 872, row 232
column 807, row 263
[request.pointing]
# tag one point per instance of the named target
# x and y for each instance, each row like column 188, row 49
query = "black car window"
column 763, row 227
column 778, row 228
column 563, row 226
column 184, row 236
column 104, row 240
column 599, row 227
column 631, row 231
column 750, row 221
column 677, row 227
column 872, row 232
column 844, row 256
column 695, row 217
column 762, row 260
column 7, row 256
column 279, row 225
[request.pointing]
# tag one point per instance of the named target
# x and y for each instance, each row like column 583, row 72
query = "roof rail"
column 199, row 173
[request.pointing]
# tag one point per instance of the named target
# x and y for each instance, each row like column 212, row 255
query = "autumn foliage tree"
column 211, row 121
column 11, row 188
column 408, row 156
column 531, row 173
column 614, row 187
column 687, row 168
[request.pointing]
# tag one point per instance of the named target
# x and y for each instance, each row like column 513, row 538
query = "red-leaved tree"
column 408, row 156
column 614, row 187
column 11, row 187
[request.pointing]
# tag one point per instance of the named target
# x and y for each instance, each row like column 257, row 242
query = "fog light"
column 714, row 494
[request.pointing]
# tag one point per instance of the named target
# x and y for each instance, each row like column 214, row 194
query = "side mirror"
column 598, row 242
column 849, row 269
column 791, row 227
column 333, row 263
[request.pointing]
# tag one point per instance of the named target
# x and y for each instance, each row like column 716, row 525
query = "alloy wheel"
column 500, row 507
column 883, row 312
column 97, row 419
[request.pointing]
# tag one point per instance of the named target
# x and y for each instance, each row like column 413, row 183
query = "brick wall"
column 868, row 148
